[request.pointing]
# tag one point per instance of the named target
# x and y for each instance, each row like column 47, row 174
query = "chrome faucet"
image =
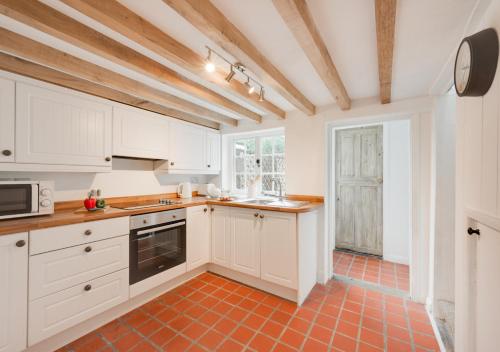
column 278, row 182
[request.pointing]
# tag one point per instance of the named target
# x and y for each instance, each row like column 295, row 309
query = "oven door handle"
column 154, row 229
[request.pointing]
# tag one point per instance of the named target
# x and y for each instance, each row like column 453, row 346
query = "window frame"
column 258, row 154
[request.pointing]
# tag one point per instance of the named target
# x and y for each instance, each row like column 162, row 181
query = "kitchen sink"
column 275, row 203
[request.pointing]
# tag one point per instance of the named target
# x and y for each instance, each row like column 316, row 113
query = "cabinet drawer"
column 59, row 311
column 58, row 270
column 73, row 235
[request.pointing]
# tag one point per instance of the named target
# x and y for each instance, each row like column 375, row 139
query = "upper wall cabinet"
column 7, row 121
column 140, row 134
column 59, row 128
column 213, row 152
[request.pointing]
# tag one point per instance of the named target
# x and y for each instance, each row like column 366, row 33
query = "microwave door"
column 35, row 192
column 17, row 199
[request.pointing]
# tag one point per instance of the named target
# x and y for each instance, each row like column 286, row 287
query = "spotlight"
column 230, row 75
column 261, row 94
column 251, row 88
column 209, row 65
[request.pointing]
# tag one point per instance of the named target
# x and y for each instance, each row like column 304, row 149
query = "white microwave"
column 22, row 198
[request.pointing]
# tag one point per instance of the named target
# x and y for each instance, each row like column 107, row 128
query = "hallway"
column 371, row 270
column 211, row 313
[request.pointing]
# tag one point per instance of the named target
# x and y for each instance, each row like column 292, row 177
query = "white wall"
column 128, row 178
column 396, row 223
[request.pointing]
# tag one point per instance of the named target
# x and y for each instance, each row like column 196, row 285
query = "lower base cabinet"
column 245, row 241
column 13, row 291
column 54, row 313
column 197, row 236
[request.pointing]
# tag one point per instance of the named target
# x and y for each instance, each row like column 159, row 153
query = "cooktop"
column 146, row 204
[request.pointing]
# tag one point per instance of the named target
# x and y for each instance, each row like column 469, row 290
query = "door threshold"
column 374, row 287
column 350, row 251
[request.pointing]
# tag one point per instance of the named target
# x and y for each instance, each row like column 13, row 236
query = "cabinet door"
column 61, row 129
column 7, row 121
column 221, row 235
column 213, row 152
column 197, row 236
column 245, row 244
column 278, row 240
column 139, row 134
column 187, row 147
column 14, row 292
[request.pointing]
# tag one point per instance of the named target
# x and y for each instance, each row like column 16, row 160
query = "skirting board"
column 277, row 290
column 71, row 334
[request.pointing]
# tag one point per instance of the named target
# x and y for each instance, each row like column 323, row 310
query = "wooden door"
column 278, row 249
column 61, row 129
column 359, row 165
column 13, row 292
column 186, row 147
column 245, row 241
column 139, row 133
column 221, row 235
column 197, row 236
column 7, row 121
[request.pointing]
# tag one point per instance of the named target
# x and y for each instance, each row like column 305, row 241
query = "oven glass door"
column 15, row 199
column 156, row 249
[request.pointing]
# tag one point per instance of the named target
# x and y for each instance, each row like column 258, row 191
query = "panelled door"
column 359, row 165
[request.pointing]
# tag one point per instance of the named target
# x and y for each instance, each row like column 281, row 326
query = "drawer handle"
column 6, row 152
column 261, row 216
column 212, row 209
column 205, row 210
column 20, row 243
column 88, row 249
column 256, row 214
column 88, row 232
column 108, row 158
column 87, row 287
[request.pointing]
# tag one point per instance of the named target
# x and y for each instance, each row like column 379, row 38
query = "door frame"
column 420, row 147
column 380, row 201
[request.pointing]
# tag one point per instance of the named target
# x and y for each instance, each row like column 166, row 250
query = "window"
column 258, row 155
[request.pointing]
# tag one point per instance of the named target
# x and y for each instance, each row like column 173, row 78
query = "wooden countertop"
column 75, row 216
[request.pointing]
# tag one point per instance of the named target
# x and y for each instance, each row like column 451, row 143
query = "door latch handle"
column 472, row 231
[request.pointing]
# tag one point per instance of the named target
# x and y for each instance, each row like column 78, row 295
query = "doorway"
column 359, row 178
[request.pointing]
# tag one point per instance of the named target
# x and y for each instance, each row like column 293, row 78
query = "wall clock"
column 476, row 63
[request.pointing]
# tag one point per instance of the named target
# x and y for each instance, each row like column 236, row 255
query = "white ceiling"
column 427, row 33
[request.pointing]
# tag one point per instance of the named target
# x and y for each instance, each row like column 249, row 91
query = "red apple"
column 89, row 203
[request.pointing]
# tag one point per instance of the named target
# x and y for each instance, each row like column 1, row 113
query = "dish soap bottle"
column 100, row 202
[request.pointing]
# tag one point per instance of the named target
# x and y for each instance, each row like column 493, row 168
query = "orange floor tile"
column 211, row 313
column 372, row 270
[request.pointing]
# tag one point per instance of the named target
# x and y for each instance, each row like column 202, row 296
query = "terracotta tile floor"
column 211, row 313
column 372, row 270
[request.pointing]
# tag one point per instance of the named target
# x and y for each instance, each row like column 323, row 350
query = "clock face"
column 462, row 67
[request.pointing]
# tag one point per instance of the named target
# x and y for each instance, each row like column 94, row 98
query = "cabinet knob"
column 87, row 287
column 172, row 163
column 21, row 243
column 6, row 152
column 472, row 231
column 88, row 249
column 256, row 214
column 108, row 158
column 205, row 210
column 87, row 232
column 261, row 216
column 212, row 209
column 208, row 165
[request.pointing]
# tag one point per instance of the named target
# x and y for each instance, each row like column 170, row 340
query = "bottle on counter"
column 100, row 201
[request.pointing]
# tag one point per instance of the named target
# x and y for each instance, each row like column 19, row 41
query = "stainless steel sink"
column 275, row 203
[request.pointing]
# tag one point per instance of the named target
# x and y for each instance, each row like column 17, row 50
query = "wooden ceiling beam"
column 31, row 50
column 48, row 20
column 119, row 18
column 203, row 15
column 299, row 20
column 29, row 69
column 385, row 17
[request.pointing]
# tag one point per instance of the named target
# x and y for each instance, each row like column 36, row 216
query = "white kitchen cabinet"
column 140, row 134
column 197, row 236
column 278, row 248
column 221, row 235
column 213, row 149
column 187, row 147
column 245, row 241
column 7, row 121
column 58, row 128
column 61, row 310
column 13, row 292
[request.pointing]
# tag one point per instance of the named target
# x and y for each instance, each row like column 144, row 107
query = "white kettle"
column 184, row 190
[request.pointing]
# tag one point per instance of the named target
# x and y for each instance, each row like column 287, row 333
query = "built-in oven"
column 157, row 243
column 24, row 197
